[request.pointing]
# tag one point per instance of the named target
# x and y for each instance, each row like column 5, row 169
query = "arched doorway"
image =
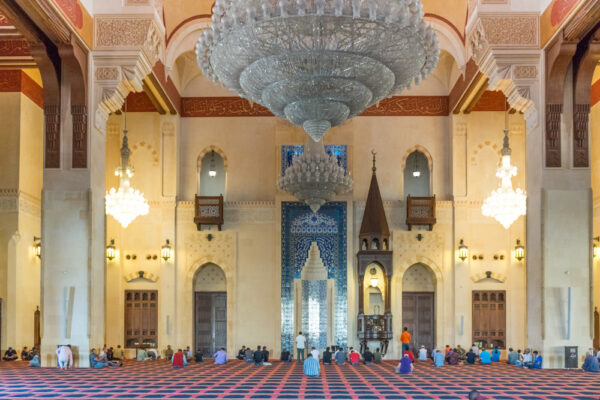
column 210, row 309
column 418, row 305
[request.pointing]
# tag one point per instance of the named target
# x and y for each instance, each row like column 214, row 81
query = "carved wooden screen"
column 141, row 318
column 489, row 318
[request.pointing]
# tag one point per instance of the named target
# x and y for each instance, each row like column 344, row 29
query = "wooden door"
column 141, row 318
column 489, row 318
column 418, row 315
column 210, row 316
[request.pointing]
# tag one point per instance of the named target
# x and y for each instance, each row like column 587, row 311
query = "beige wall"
column 20, row 191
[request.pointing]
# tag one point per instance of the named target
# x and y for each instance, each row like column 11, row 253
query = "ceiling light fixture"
column 317, row 63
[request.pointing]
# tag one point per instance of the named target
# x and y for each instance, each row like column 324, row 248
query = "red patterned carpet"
column 239, row 380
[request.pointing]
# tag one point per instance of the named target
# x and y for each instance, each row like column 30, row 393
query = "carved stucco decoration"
column 18, row 201
column 408, row 250
column 221, row 249
column 515, row 73
column 127, row 48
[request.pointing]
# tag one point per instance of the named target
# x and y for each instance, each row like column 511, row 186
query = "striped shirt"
column 311, row 367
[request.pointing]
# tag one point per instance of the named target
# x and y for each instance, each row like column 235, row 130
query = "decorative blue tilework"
column 314, row 313
column 289, row 151
column 298, row 230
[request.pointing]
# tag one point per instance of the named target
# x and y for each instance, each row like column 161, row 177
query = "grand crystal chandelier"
column 315, row 177
column 317, row 63
column 505, row 204
column 126, row 203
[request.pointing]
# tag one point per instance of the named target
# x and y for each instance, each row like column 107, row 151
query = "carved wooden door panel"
column 210, row 322
column 489, row 318
column 141, row 318
column 418, row 315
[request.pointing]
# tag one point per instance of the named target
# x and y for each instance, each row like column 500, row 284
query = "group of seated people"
column 106, row 357
column 26, row 355
column 591, row 362
column 260, row 356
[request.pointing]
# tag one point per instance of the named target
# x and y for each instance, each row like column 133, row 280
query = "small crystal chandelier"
column 212, row 171
column 315, row 177
column 317, row 63
column 126, row 203
column 505, row 204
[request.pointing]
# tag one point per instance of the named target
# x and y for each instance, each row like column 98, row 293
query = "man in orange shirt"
column 405, row 339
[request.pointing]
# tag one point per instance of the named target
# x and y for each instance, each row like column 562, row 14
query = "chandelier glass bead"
column 317, row 63
column 315, row 177
column 505, row 204
column 125, row 204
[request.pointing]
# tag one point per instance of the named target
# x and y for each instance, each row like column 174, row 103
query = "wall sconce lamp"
column 374, row 280
column 166, row 251
column 596, row 247
column 111, row 251
column 37, row 246
column 520, row 251
column 463, row 251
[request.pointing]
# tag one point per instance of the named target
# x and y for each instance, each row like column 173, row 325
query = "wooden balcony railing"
column 420, row 211
column 209, row 211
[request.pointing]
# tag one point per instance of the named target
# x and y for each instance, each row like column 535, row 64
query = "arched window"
column 211, row 175
column 417, row 175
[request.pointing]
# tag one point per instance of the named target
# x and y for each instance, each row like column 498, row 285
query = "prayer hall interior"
column 173, row 175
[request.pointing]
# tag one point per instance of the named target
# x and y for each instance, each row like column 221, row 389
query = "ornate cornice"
column 16, row 201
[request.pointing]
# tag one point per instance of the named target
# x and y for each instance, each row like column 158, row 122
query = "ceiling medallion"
column 505, row 204
column 126, row 203
column 315, row 177
column 317, row 63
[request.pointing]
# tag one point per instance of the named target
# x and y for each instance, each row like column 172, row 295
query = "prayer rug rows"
column 239, row 380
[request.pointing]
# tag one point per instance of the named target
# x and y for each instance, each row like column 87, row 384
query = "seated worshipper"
column 179, row 359
column 471, row 357
column 354, row 357
column 327, row 357
column 475, row 349
column 110, row 354
column 25, row 354
column 249, row 357
column 258, row 357
column 242, row 353
column 447, row 349
column 220, row 356
column 495, row 355
column 513, row 357
column 340, row 356
column 527, row 359
column 96, row 361
column 35, row 361
column 537, row 361
column 591, row 364
column 10, row 355
column 405, row 366
column 65, row 357
column 368, row 357
column 377, row 357
column 198, row 356
column 169, row 353
column 311, row 366
column 152, row 354
column 422, row 353
column 410, row 355
column 188, row 353
column 452, row 357
column 285, row 356
column 475, row 395
column 485, row 357
column 265, row 356
column 118, row 354
column 142, row 355
column 438, row 359
column 315, row 353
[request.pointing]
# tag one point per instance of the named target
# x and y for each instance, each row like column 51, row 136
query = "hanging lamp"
column 125, row 204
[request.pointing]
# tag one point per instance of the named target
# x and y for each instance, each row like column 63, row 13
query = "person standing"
column 300, row 346
column 65, row 357
column 405, row 339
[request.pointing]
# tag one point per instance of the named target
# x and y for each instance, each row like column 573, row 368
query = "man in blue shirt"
column 438, row 359
column 220, row 356
column 311, row 366
column 485, row 357
column 537, row 361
